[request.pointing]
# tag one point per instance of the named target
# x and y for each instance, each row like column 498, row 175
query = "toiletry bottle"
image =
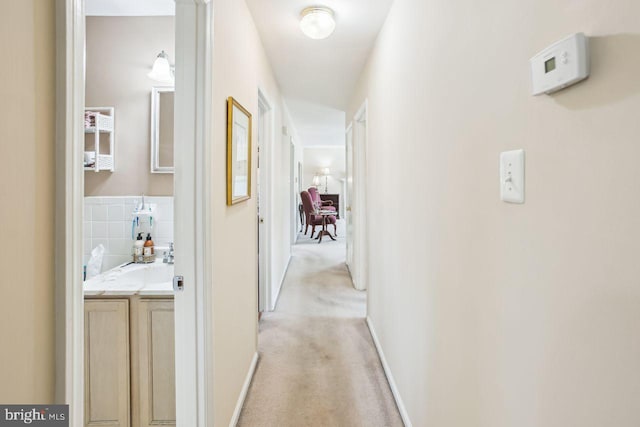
column 148, row 246
column 138, row 246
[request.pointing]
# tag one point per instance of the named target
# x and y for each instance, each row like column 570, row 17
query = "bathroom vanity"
column 129, row 347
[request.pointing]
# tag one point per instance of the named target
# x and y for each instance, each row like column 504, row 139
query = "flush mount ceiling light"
column 161, row 71
column 317, row 22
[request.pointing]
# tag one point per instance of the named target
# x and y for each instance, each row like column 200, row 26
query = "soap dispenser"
column 138, row 248
column 138, row 245
column 148, row 246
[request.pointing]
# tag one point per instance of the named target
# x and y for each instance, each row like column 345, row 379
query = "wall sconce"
column 162, row 71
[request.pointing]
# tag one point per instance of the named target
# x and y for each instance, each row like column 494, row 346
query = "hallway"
column 318, row 365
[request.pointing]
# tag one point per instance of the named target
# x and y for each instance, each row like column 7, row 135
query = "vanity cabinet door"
column 106, row 363
column 154, row 364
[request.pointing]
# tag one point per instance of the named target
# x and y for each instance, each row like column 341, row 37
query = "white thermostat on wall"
column 560, row 65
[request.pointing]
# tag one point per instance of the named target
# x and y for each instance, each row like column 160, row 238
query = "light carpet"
column 318, row 365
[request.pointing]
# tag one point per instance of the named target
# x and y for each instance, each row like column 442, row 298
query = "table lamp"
column 326, row 173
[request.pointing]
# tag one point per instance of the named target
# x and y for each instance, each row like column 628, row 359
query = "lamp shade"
column 161, row 71
column 326, row 171
column 316, row 180
column 317, row 22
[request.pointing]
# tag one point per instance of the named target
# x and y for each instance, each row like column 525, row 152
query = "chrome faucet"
column 168, row 256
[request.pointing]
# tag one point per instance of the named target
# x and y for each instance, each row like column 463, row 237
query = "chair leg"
column 306, row 229
column 313, row 230
column 335, row 230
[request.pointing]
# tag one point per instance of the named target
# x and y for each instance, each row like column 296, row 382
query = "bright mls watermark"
column 34, row 415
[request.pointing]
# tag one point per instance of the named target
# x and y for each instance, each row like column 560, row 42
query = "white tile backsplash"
column 86, row 228
column 116, row 212
column 120, row 246
column 116, row 229
column 99, row 212
column 99, row 229
column 108, row 221
column 87, row 212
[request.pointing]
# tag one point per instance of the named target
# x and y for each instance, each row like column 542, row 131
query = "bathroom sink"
column 149, row 274
column 147, row 279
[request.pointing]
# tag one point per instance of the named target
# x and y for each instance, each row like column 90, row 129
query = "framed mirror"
column 162, row 129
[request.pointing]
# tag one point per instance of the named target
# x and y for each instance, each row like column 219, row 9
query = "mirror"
column 162, row 130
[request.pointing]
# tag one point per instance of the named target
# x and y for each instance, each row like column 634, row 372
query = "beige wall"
column 240, row 67
column 120, row 52
column 317, row 158
column 27, row 143
column 493, row 314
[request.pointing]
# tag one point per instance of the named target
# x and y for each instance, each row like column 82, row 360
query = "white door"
column 358, row 202
column 349, row 198
column 264, row 217
column 262, row 291
column 293, row 186
column 193, row 305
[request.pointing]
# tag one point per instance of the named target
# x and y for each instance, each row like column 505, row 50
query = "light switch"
column 512, row 176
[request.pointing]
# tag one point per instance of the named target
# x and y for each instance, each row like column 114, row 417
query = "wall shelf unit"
column 99, row 122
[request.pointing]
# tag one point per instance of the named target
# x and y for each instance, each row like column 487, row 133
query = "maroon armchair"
column 314, row 220
column 315, row 197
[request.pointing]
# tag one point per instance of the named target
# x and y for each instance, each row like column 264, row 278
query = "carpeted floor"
column 318, row 365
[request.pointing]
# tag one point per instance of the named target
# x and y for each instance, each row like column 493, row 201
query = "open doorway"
column 128, row 227
column 121, row 343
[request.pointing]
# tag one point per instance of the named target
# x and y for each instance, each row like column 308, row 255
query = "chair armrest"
column 327, row 202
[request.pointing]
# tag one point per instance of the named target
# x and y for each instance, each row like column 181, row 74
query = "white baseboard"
column 244, row 391
column 284, row 274
column 390, row 380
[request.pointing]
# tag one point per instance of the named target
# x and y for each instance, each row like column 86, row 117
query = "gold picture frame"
column 238, row 152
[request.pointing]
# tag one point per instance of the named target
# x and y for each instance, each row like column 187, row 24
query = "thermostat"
column 560, row 65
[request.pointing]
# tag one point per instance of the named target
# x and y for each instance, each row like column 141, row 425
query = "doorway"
column 191, row 125
column 129, row 311
column 356, row 158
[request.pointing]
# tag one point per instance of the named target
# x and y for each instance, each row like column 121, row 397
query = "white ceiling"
column 317, row 125
column 130, row 7
column 317, row 77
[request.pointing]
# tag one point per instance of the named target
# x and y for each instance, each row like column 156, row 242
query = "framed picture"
column 238, row 152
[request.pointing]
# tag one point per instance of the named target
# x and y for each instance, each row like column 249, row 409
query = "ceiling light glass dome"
column 317, row 22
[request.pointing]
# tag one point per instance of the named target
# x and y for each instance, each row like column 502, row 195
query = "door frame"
column 194, row 346
column 265, row 198
column 299, row 191
column 348, row 214
column 359, row 203
column 293, row 181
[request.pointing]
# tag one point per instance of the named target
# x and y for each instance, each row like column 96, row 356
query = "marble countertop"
column 133, row 279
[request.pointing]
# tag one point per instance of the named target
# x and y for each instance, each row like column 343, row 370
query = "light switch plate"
column 512, row 176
